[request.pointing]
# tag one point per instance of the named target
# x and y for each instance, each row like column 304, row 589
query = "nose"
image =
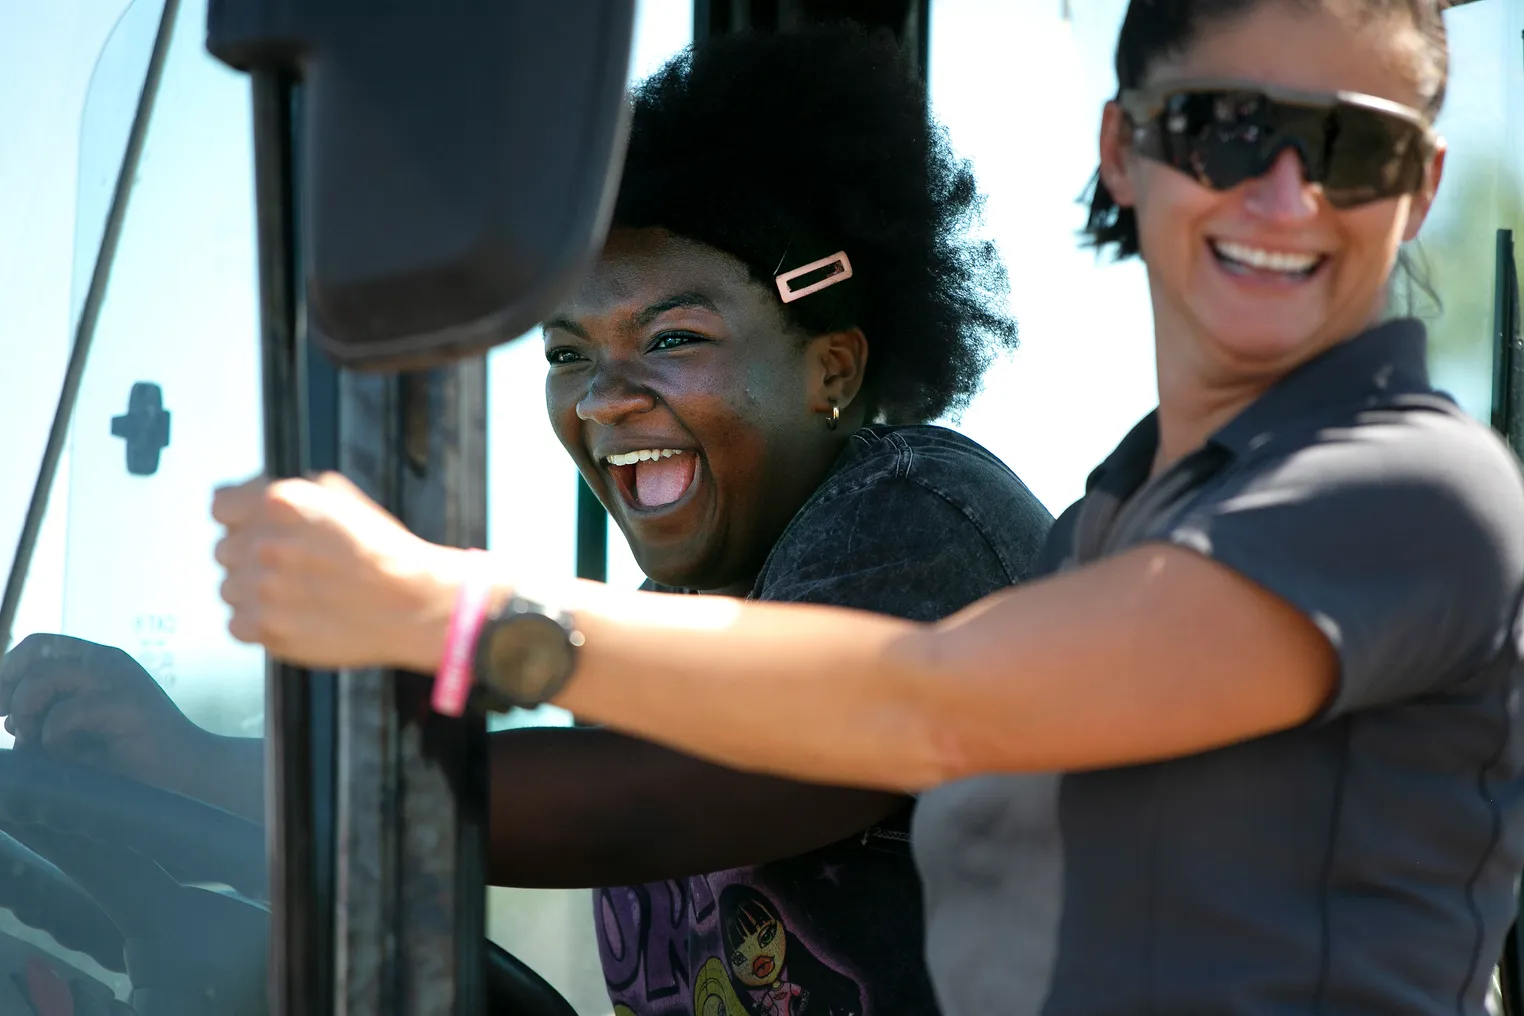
column 611, row 396
column 1283, row 194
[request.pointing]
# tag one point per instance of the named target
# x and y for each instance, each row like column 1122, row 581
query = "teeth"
column 1266, row 260
column 643, row 455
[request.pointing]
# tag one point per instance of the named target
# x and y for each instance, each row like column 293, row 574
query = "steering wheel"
column 192, row 840
column 131, row 849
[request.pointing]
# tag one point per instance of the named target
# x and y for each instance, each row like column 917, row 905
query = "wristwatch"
column 524, row 655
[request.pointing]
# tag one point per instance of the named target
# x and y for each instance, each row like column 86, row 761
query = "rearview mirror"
column 458, row 161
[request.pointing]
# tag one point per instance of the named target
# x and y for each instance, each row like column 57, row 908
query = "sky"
column 126, row 560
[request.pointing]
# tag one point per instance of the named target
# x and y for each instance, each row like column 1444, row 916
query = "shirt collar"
column 1386, row 360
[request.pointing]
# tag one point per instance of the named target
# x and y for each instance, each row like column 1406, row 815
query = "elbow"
column 938, row 713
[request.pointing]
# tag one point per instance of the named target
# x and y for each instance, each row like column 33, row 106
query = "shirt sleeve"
column 1403, row 541
column 891, row 547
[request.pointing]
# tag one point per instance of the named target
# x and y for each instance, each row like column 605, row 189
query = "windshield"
column 115, row 884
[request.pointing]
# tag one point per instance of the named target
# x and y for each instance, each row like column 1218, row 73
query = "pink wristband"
column 452, row 683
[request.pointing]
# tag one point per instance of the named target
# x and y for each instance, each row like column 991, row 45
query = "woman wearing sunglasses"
column 1251, row 746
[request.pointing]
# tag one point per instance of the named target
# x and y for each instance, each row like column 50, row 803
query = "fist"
column 320, row 575
column 91, row 704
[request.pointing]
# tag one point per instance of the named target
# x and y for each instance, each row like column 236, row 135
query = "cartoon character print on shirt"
column 699, row 946
column 767, row 970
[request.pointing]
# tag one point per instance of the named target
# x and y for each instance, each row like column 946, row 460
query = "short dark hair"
column 781, row 149
column 1156, row 29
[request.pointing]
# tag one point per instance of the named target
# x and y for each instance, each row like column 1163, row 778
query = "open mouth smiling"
column 653, row 479
column 1251, row 262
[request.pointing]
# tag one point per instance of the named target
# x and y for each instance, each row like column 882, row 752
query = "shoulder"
column 903, row 474
column 1407, row 467
column 915, row 521
column 895, row 471
column 1398, row 529
column 925, row 452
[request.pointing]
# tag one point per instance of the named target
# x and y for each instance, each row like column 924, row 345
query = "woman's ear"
column 1422, row 201
column 837, row 363
column 1116, row 152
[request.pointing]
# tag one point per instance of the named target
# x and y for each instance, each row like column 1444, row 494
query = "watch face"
column 528, row 658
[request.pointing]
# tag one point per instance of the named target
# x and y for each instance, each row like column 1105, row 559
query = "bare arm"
column 1155, row 653
column 1404, row 544
column 591, row 807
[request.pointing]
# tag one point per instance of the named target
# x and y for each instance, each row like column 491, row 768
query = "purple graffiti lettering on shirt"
column 643, row 930
column 701, row 899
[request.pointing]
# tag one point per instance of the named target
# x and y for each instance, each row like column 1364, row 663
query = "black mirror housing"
column 457, row 161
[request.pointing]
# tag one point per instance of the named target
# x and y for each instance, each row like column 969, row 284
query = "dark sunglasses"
column 1222, row 132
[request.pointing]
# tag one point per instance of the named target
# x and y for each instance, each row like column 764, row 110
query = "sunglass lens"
column 1370, row 157
column 1223, row 138
column 1213, row 136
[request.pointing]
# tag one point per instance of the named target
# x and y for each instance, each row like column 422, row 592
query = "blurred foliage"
column 1449, row 272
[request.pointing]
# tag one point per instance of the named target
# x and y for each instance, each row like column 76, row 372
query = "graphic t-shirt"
column 916, row 522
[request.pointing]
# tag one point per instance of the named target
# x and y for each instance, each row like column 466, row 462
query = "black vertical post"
column 409, row 894
column 1508, row 420
column 592, row 535
column 321, row 412
column 1507, row 357
column 300, row 946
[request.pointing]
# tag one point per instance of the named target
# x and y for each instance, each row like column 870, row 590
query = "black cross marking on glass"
column 145, row 428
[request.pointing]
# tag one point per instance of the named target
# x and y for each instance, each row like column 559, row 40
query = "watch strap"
column 500, row 695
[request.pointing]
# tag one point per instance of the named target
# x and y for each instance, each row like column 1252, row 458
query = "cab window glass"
column 1019, row 87
column 121, row 654
column 58, row 164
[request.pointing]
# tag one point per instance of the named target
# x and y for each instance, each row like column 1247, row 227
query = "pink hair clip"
column 841, row 273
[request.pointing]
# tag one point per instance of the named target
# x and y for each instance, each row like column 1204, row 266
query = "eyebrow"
column 563, row 324
column 681, row 300
column 645, row 317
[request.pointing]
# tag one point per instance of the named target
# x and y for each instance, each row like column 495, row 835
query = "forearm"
column 1120, row 662
column 592, row 807
column 820, row 694
column 1150, row 655
column 802, row 692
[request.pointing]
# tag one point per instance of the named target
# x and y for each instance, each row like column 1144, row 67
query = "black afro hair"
column 781, row 149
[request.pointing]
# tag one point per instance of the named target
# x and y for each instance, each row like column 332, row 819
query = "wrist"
column 436, row 593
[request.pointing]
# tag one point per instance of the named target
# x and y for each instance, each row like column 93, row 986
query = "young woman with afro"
column 771, row 440
column 754, row 430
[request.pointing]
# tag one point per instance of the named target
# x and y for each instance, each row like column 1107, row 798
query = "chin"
column 672, row 566
column 1271, row 337
column 1269, row 347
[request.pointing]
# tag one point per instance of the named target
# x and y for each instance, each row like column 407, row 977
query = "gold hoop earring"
column 834, row 418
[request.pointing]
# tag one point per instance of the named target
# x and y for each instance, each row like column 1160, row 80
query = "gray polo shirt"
column 1365, row 862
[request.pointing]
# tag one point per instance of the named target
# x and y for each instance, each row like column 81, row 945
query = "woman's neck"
column 1193, row 406
column 794, row 489
column 741, row 588
column 1201, row 390
column 1198, row 393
